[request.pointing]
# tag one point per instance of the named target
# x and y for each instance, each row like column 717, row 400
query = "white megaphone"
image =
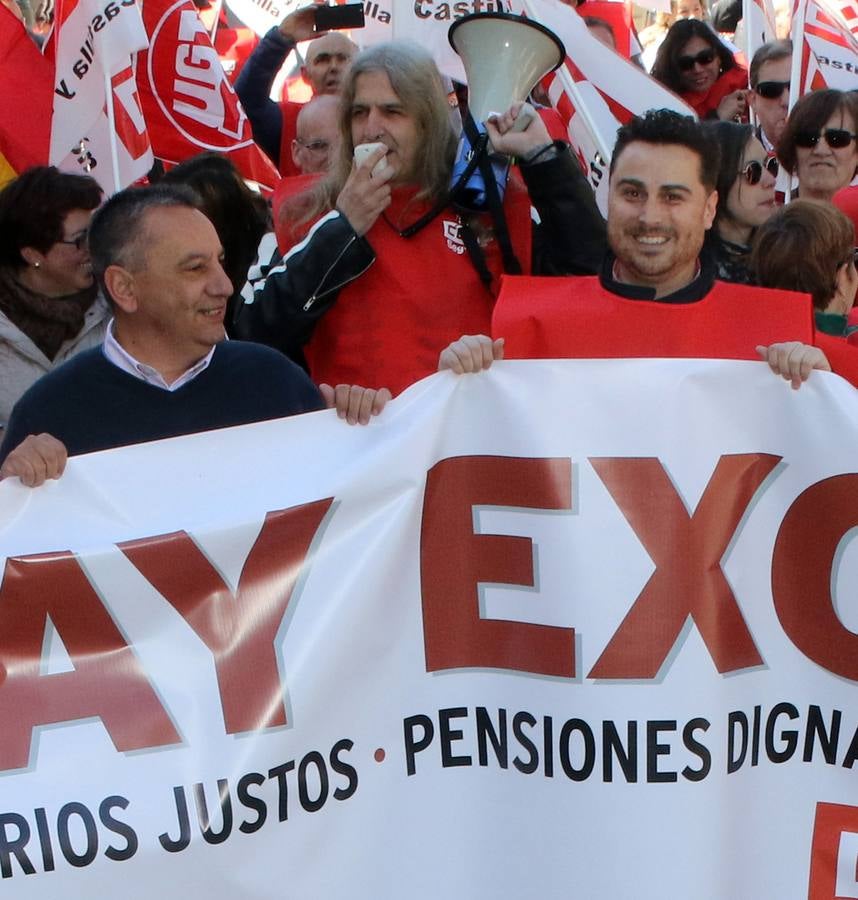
column 505, row 56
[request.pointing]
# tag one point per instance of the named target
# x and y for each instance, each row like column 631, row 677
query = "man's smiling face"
column 658, row 214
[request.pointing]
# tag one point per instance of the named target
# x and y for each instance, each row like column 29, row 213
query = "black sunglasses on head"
column 771, row 90
column 753, row 171
column 703, row 58
column 836, row 138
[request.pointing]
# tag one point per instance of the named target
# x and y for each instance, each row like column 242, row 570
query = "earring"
column 36, row 264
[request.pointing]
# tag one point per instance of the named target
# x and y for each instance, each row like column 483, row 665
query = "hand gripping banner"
column 560, row 630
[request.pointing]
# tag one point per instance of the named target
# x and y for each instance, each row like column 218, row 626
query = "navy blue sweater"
column 89, row 404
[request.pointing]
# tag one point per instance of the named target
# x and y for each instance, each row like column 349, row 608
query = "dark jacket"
column 298, row 289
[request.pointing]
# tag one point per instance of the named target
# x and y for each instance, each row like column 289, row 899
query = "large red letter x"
column 687, row 551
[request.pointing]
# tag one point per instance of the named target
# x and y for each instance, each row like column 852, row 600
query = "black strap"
column 475, row 252
column 493, row 199
column 479, row 153
column 480, row 158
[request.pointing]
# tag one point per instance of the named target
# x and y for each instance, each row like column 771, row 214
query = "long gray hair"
column 416, row 81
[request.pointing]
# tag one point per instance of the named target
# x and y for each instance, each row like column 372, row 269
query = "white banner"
column 261, row 15
column 562, row 630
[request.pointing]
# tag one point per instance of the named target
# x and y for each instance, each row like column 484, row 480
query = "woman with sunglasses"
column 746, row 199
column 49, row 304
column 694, row 63
column 819, row 145
column 809, row 246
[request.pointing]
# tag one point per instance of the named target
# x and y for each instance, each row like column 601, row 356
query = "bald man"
column 318, row 136
column 328, row 58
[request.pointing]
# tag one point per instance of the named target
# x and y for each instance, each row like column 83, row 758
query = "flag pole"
column 799, row 14
column 111, row 120
column 571, row 90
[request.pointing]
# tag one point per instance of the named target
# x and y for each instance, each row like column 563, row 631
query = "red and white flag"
column 189, row 103
column 825, row 49
column 848, row 10
column 596, row 90
column 26, row 96
column 97, row 125
column 619, row 14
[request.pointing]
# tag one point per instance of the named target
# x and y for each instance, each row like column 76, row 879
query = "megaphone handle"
column 526, row 115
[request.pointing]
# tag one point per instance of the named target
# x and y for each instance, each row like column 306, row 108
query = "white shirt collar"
column 122, row 359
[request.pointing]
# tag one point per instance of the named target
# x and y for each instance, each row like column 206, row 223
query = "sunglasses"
column 703, row 58
column 772, row 90
column 753, row 171
column 78, row 241
column 836, row 138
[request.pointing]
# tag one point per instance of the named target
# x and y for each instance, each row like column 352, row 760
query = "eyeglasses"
column 313, row 146
column 772, row 90
column 703, row 58
column 836, row 138
column 753, row 170
column 78, row 241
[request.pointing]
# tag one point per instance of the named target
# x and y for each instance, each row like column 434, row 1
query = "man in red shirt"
column 656, row 295
column 382, row 269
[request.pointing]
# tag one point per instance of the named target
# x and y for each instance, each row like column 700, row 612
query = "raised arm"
column 254, row 82
column 570, row 238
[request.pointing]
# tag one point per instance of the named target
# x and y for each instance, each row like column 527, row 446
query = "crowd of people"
column 367, row 272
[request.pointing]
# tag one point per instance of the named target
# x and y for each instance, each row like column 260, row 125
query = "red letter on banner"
column 687, row 551
column 239, row 630
column 108, row 680
column 834, row 852
column 453, row 560
column 804, row 555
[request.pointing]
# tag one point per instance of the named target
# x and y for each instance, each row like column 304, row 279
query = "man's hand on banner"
column 355, row 404
column 36, row 459
column 505, row 138
column 794, row 361
column 471, row 353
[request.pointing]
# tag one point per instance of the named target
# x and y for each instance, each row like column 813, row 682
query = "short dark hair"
column 810, row 113
column 731, row 139
column 666, row 66
column 665, row 127
column 240, row 216
column 801, row 247
column 34, row 205
column 116, row 231
column 772, row 51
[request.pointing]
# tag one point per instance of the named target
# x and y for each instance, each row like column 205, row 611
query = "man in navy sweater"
column 165, row 368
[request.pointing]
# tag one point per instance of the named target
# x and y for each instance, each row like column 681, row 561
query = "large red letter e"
column 453, row 560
